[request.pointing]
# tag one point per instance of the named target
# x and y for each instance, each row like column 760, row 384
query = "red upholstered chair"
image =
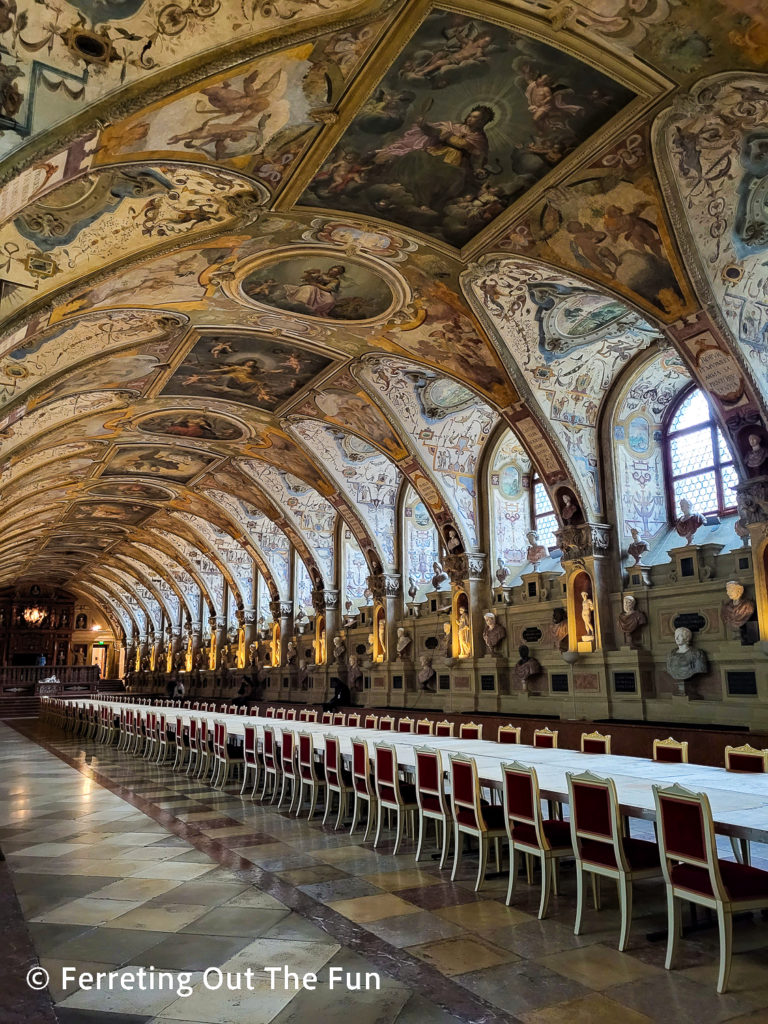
column 327, row 718
column 288, row 769
column 251, row 760
column 424, row 727
column 386, row 723
column 196, row 706
column 670, row 751
column 470, row 731
column 365, row 791
column 508, row 734
column 230, row 758
column 471, row 818
column 392, row 794
column 194, row 746
column 595, row 743
column 370, row 722
column 431, row 798
column 338, row 719
column 405, row 725
column 311, row 775
column 750, row 760
column 693, row 871
column 530, row 833
column 353, row 720
column 603, row 850
column 271, row 765
column 545, row 738
column 311, row 716
column 280, row 714
column 290, row 715
column 182, row 746
column 253, row 712
column 205, row 737
column 242, row 710
column 231, row 710
column 303, row 715
column 269, row 713
column 444, row 728
column 337, row 780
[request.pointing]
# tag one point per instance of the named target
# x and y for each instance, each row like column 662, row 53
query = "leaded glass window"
column 698, row 458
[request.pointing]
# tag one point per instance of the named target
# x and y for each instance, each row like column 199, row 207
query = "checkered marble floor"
column 119, row 864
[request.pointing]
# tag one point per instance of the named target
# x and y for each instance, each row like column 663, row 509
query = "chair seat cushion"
column 557, row 832
column 641, row 855
column 741, row 881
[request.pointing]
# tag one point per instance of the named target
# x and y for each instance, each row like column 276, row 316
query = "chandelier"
column 34, row 616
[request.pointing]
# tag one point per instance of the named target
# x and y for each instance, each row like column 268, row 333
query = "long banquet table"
column 739, row 801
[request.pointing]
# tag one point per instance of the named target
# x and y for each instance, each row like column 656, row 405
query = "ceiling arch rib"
column 206, row 570
column 208, row 554
column 163, row 597
column 153, row 608
column 231, row 553
column 174, row 555
column 163, row 579
column 126, row 591
column 565, row 342
column 367, row 479
column 156, row 558
column 110, row 593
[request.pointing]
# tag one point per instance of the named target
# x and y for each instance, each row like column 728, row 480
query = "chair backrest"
column 286, row 754
column 686, row 835
column 269, row 713
column 242, row 710
column 232, row 709
column 353, row 720
column 194, row 729
column 338, row 719
column 370, row 722
column 250, row 754
column 179, row 731
column 444, row 728
column 361, row 777
column 508, row 734
column 385, row 774
column 386, row 723
column 303, row 715
column 327, row 718
column 424, row 727
column 333, row 772
column 290, row 715
column 522, row 805
column 253, row 712
column 595, row 743
column 430, row 791
column 470, row 731
column 671, row 750
column 196, row 706
column 307, row 757
column 546, row 738
column 746, row 759
column 270, row 748
column 465, row 793
column 311, row 716
column 405, row 725
column 280, row 713
column 595, row 820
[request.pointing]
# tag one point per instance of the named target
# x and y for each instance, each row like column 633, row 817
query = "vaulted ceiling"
column 252, row 254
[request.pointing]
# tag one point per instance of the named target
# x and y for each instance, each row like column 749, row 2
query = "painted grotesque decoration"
column 434, row 152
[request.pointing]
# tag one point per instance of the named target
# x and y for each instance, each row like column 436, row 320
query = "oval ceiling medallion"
column 322, row 284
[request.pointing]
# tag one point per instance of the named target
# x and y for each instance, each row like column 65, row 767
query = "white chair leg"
column 420, row 840
column 375, row 816
column 379, row 823
column 546, row 885
column 446, row 826
column 458, row 850
column 579, row 899
column 400, row 826
column 596, row 890
column 673, row 928
column 512, row 872
column 625, row 903
column 725, row 928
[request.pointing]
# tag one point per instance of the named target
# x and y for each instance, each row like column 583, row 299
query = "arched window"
column 543, row 518
column 699, row 462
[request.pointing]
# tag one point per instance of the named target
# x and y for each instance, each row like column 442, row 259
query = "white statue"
column 685, row 661
column 464, row 633
column 339, row 650
column 587, row 607
column 404, row 642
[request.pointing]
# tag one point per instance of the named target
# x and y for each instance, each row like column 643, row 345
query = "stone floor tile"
column 373, row 908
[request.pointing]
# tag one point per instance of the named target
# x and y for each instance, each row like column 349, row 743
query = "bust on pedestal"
column 526, row 668
column 493, row 634
column 685, row 662
column 536, row 551
column 404, row 642
column 631, row 619
column 426, row 676
column 737, row 610
column 637, row 548
column 688, row 522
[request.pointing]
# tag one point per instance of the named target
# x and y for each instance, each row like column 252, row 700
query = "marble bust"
column 404, row 642
column 536, row 551
column 412, row 588
column 757, row 455
column 526, row 668
column 426, row 676
column 355, row 673
column 291, row 653
column 339, row 650
column 638, row 547
column 502, row 572
column 493, row 633
column 737, row 609
column 685, row 661
column 631, row 618
column 453, row 542
column 446, row 649
column 559, row 629
column 568, row 510
column 440, row 578
column 688, row 522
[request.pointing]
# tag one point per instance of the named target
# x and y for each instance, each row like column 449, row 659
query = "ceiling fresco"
column 264, row 269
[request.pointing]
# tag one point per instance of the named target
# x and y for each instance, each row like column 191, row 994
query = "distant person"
column 178, row 690
column 341, row 696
